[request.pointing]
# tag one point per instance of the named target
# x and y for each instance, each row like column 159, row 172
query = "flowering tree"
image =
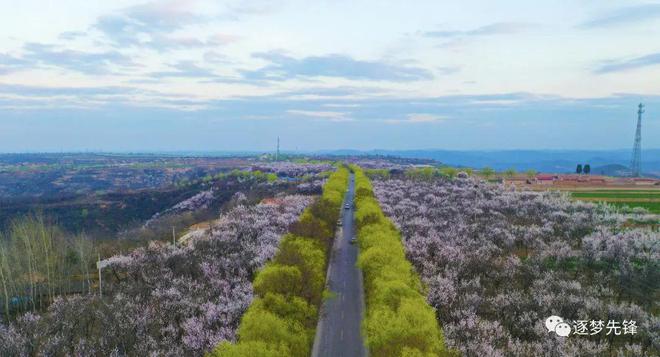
column 292, row 169
column 497, row 262
column 164, row 300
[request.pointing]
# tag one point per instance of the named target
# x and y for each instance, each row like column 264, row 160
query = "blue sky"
column 233, row 75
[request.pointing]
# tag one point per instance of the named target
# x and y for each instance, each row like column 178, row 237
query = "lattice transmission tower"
column 636, row 162
column 277, row 153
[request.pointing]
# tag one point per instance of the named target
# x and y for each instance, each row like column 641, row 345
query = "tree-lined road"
column 338, row 332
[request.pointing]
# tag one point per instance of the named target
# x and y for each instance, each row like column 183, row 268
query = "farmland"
column 647, row 199
column 621, row 192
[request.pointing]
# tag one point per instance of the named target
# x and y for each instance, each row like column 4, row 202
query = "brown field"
column 623, row 193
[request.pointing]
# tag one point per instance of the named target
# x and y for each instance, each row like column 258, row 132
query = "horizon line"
column 300, row 152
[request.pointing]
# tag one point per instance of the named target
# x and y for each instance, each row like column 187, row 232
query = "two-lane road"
column 338, row 332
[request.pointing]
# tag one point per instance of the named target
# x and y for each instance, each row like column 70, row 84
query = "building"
column 546, row 179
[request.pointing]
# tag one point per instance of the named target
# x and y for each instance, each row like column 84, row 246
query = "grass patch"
column 653, row 207
column 624, row 194
column 648, row 199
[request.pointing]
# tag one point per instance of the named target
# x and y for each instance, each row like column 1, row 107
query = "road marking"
column 342, row 314
column 341, row 337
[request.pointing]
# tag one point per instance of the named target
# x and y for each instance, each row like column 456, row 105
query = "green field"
column 653, row 207
column 618, row 194
column 648, row 199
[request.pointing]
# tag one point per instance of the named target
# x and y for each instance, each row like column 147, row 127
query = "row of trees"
column 586, row 169
column 488, row 173
column 429, row 173
column 498, row 262
column 448, row 172
column 377, row 173
column 282, row 318
column 239, row 175
column 39, row 262
column 398, row 321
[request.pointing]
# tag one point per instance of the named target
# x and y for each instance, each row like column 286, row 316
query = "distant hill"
column 610, row 170
column 556, row 161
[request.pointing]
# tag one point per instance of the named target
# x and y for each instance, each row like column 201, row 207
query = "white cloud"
column 188, row 46
column 328, row 115
column 414, row 118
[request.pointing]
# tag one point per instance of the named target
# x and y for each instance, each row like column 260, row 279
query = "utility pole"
column 636, row 162
column 100, row 284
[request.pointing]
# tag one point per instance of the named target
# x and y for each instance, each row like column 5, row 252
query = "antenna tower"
column 636, row 164
column 277, row 154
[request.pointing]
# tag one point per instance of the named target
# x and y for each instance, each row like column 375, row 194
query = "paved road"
column 338, row 331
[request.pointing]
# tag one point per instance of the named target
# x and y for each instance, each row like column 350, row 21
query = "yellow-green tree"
column 487, row 173
column 398, row 320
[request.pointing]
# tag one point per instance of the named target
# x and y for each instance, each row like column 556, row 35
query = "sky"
column 196, row 75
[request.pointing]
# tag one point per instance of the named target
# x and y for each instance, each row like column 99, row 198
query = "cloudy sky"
column 127, row 75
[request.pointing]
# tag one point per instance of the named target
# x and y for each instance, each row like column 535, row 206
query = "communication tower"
column 636, row 162
column 277, row 153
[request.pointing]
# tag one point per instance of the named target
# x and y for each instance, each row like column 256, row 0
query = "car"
column 339, row 222
column 347, row 206
column 353, row 240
